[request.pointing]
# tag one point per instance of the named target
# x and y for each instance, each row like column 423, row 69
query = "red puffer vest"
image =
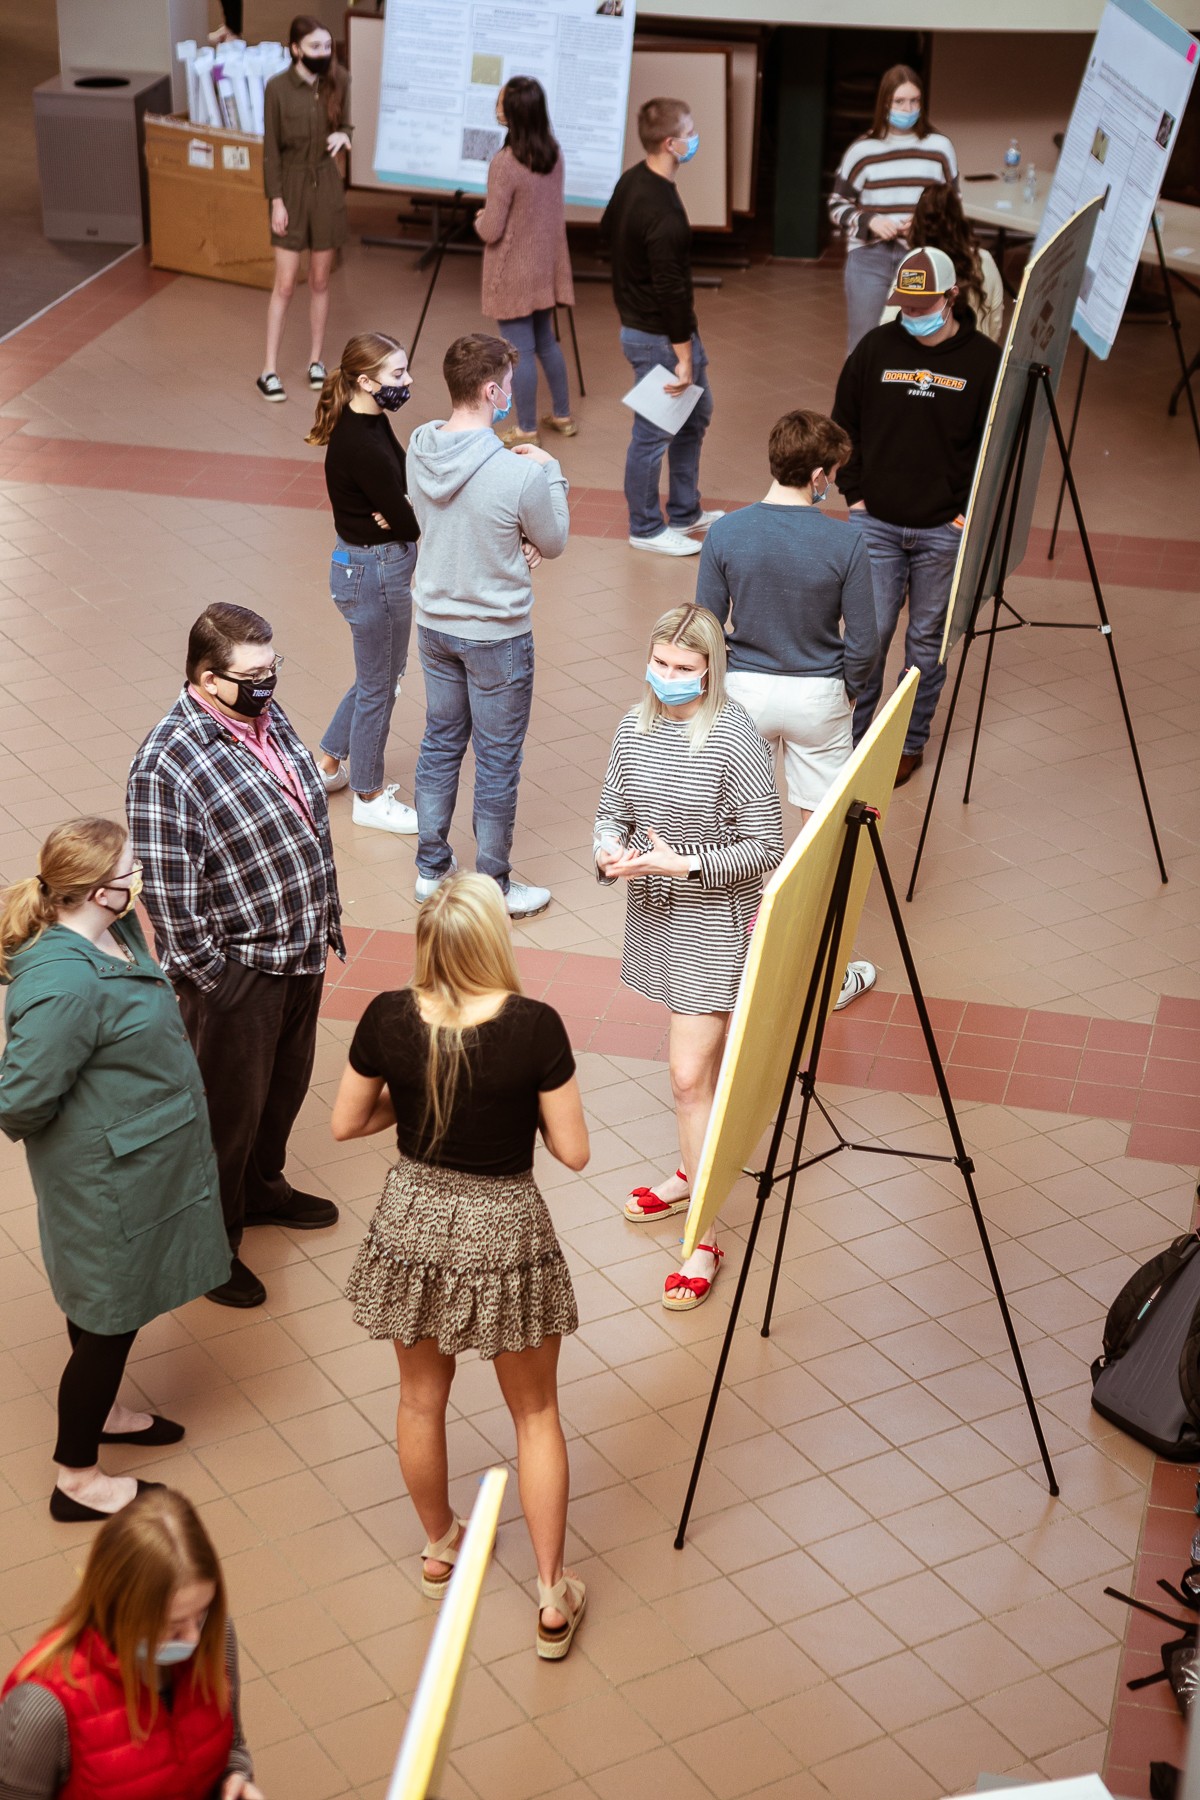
column 183, row 1758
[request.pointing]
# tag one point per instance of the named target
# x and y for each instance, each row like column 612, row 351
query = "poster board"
column 445, row 61
column 427, row 1735
column 1117, row 147
column 779, row 966
column 1039, row 332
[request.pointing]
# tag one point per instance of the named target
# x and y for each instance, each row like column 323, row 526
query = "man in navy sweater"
column 914, row 397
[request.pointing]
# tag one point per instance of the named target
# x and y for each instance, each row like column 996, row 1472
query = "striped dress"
column 887, row 175
column 685, row 941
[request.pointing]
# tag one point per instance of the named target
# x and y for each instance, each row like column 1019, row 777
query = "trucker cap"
column 926, row 271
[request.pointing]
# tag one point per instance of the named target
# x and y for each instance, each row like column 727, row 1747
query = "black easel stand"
column 1038, row 377
column 819, row 995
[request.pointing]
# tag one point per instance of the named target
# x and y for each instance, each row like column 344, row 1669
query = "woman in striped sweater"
column 690, row 820
column 879, row 182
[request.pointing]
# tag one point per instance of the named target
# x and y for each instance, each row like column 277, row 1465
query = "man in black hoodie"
column 914, row 397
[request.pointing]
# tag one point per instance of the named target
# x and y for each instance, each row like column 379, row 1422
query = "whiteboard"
column 445, row 61
column 1117, row 146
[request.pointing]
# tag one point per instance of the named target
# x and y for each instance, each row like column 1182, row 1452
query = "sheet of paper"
column 650, row 399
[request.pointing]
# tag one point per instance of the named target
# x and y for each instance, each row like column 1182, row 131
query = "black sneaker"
column 299, row 1212
column 316, row 375
column 271, row 388
column 242, row 1289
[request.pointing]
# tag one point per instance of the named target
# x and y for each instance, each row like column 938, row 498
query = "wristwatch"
column 695, row 872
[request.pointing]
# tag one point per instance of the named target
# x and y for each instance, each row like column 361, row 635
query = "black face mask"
column 254, row 696
column 391, row 398
column 317, row 65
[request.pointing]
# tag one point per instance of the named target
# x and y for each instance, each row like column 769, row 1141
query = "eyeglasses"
column 120, row 880
column 277, row 663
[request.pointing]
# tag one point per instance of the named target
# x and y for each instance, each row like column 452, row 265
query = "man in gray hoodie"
column 486, row 515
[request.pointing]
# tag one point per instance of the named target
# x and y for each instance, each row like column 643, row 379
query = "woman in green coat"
column 99, row 1082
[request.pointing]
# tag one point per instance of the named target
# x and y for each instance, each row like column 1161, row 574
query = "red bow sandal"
column 645, row 1204
column 683, row 1293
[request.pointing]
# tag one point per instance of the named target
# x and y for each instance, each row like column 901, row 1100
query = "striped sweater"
column 887, row 175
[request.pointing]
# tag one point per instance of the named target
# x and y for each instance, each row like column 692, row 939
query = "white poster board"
column 1117, row 147
column 445, row 61
column 1039, row 333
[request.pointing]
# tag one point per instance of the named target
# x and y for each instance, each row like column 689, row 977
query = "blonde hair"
column 139, row 1560
column 362, row 356
column 463, row 948
column 74, row 860
column 696, row 629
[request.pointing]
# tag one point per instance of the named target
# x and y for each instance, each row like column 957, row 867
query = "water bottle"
column 1012, row 160
column 1030, row 184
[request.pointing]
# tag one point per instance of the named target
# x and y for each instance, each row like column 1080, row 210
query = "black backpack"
column 1147, row 1380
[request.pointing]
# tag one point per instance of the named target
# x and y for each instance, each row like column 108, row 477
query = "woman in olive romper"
column 306, row 126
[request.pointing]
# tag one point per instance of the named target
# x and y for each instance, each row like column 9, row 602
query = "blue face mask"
column 924, row 324
column 693, row 144
column 903, row 121
column 678, row 692
column 501, row 412
column 168, row 1654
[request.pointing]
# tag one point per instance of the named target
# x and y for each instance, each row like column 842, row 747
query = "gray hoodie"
column 474, row 501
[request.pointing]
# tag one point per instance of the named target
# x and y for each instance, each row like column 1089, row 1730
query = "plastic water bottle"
column 1030, row 189
column 1012, row 160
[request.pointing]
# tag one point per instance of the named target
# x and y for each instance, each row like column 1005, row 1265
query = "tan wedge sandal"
column 554, row 1642
column 445, row 1550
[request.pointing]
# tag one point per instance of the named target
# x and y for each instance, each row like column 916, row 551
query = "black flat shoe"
column 74, row 1512
column 160, row 1431
column 242, row 1289
column 300, row 1212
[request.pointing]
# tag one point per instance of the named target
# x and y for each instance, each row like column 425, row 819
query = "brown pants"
column 255, row 1038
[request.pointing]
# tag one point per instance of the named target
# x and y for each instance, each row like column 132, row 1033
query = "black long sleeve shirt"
column 646, row 229
column 915, row 414
column 365, row 473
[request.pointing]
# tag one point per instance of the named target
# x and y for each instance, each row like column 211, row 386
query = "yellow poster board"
column 430, row 1727
column 779, row 967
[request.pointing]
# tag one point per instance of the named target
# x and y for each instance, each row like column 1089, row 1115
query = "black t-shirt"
column 511, row 1059
column 366, row 473
column 646, row 229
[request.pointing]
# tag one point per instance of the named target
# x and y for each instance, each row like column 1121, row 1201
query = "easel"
column 817, row 1003
column 1038, row 377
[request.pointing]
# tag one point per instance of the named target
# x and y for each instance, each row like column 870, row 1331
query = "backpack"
column 1147, row 1380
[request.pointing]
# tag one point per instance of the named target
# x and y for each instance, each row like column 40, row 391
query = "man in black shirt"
column 914, row 397
column 647, row 232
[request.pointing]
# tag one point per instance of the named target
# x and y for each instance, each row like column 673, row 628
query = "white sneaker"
column 429, row 884
column 385, row 813
column 705, row 520
column 524, row 900
column 858, row 980
column 337, row 781
column 667, row 543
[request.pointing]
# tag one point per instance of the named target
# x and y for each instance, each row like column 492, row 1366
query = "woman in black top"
column 370, row 577
column 461, row 1253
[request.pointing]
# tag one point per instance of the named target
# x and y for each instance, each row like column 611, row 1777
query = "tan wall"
column 989, row 86
column 271, row 18
column 929, row 15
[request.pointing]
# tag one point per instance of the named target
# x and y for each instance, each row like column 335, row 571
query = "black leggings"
column 86, row 1393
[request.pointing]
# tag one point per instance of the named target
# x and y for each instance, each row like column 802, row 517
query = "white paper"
column 1076, row 1787
column 650, row 399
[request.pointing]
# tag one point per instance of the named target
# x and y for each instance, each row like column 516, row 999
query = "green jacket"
column 99, row 1081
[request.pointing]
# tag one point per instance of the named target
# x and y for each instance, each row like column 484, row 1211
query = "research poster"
column 1117, row 147
column 445, row 61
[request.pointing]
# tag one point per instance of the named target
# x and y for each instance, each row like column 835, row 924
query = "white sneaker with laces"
column 667, row 543
column 385, row 813
column 858, row 980
column 316, row 375
column 429, row 884
column 524, row 900
column 705, row 520
column 337, row 781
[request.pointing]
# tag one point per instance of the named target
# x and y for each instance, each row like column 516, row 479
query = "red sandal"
column 683, row 1293
column 645, row 1204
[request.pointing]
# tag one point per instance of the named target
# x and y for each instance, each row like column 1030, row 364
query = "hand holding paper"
column 651, row 399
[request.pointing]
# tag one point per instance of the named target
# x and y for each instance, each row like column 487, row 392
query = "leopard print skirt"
column 471, row 1261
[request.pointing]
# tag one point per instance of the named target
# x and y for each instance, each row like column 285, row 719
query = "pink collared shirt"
column 255, row 735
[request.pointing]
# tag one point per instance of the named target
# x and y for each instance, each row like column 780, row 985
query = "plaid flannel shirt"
column 230, row 867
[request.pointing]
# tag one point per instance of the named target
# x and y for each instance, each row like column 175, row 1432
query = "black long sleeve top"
column 646, row 229
column 366, row 473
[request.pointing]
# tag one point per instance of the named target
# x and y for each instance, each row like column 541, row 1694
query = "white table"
column 1002, row 204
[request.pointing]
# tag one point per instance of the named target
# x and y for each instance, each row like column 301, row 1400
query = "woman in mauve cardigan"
column 526, row 264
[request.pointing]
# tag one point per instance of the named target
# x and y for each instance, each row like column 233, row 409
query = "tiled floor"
column 877, row 1593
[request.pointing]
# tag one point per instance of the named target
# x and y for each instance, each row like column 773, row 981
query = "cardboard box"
column 208, row 211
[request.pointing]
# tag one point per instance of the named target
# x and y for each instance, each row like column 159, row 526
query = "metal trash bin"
column 89, row 131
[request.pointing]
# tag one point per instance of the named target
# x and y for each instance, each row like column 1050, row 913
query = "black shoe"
column 271, row 388
column 242, row 1289
column 74, row 1512
column 299, row 1212
column 161, row 1431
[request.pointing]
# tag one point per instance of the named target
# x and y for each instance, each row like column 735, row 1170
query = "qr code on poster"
column 479, row 144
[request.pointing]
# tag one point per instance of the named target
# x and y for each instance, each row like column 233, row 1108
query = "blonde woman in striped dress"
column 690, row 820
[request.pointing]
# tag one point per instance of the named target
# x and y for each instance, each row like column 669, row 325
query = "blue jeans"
column 370, row 586
column 476, row 693
column 869, row 277
column 917, row 561
column 645, row 350
column 534, row 337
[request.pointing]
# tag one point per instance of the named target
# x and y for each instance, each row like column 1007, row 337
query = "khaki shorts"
column 807, row 717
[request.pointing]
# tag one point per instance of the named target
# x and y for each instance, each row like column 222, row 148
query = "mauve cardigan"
column 526, row 264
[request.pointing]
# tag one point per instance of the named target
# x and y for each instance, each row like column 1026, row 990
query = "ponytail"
column 74, row 860
column 362, row 356
column 25, row 911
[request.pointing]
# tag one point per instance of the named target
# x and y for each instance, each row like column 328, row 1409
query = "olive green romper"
column 298, row 169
